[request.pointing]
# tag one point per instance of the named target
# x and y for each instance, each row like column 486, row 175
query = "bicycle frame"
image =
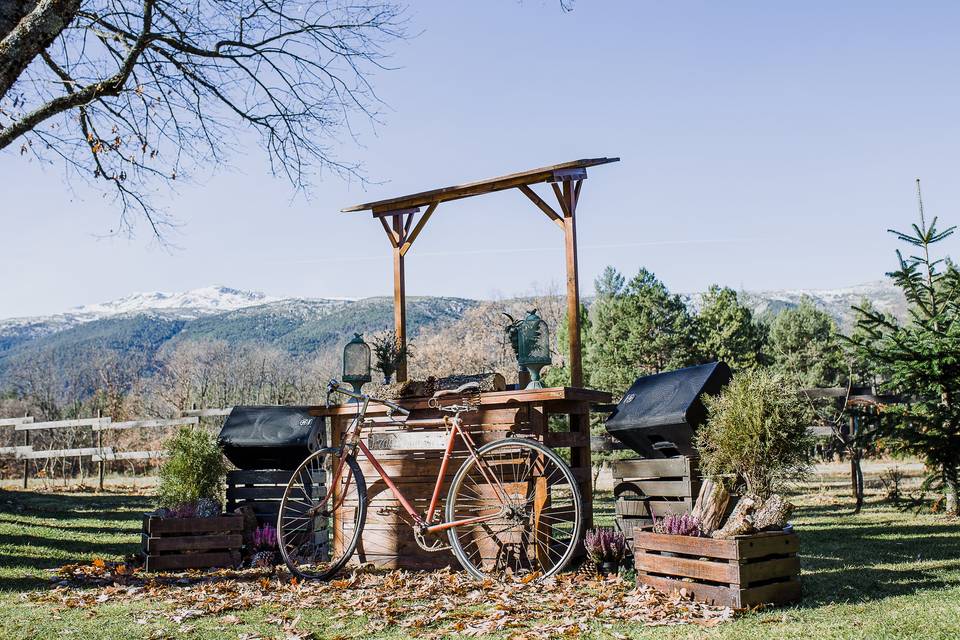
column 426, row 521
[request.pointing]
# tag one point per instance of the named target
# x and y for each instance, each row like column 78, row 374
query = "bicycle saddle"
column 469, row 387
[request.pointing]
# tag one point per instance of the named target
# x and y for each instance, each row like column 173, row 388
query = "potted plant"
column 189, row 530
column 606, row 548
column 755, row 439
column 264, row 547
column 388, row 353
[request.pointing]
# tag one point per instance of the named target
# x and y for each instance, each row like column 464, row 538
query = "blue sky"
column 763, row 145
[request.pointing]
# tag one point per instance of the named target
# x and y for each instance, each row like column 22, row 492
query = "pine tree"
column 637, row 328
column 805, row 347
column 922, row 356
column 727, row 330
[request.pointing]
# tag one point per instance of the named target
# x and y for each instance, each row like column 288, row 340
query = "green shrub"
column 757, row 432
column 194, row 469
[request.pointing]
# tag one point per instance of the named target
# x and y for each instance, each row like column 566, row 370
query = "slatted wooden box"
column 745, row 571
column 261, row 490
column 648, row 489
column 172, row 544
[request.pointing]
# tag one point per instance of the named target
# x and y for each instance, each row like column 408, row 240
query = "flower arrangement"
column 678, row 524
column 605, row 546
column 265, row 546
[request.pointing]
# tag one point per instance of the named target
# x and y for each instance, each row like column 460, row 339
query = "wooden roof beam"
column 563, row 172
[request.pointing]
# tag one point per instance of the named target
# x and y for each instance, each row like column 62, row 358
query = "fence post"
column 26, row 462
column 103, row 463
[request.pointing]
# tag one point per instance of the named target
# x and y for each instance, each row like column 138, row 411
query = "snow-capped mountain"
column 186, row 305
column 206, row 300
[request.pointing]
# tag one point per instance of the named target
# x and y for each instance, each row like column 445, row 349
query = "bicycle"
column 513, row 507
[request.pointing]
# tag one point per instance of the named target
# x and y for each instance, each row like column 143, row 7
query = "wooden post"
column 102, row 463
column 26, row 462
column 399, row 295
column 573, row 287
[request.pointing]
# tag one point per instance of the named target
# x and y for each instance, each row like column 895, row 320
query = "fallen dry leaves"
column 426, row 604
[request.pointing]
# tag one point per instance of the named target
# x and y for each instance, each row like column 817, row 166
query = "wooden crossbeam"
column 12, row 422
column 65, row 453
column 128, row 455
column 207, row 413
column 389, row 213
column 138, row 424
column 537, row 200
column 408, row 242
column 62, row 424
column 18, row 451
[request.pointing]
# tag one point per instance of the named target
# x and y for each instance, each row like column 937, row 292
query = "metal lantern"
column 356, row 363
column 533, row 347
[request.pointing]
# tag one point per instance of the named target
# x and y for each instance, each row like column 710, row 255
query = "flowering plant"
column 677, row 524
column 265, row 538
column 605, row 545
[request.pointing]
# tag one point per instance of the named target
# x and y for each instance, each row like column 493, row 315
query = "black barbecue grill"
column 659, row 415
column 271, row 437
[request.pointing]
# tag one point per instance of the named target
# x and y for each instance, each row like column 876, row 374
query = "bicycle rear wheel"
column 538, row 526
column 321, row 517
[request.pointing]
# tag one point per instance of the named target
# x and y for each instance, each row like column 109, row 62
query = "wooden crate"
column 261, row 490
column 191, row 543
column 648, row 489
column 745, row 571
column 413, row 459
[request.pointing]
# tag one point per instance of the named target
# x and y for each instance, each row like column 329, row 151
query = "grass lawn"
column 880, row 574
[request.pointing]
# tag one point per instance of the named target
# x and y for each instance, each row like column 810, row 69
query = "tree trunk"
column 29, row 28
column 951, row 487
column 711, row 505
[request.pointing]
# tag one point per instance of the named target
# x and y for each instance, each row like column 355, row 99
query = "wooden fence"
column 96, row 450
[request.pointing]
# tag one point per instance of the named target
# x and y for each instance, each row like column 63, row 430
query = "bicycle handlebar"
column 335, row 386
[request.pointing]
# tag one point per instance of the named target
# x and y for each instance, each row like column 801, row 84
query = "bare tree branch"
column 135, row 94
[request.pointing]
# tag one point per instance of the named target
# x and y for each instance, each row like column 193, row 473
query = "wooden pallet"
column 648, row 489
column 191, row 543
column 745, row 571
column 261, row 490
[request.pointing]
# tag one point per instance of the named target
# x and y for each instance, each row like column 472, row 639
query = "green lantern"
column 356, row 363
column 533, row 347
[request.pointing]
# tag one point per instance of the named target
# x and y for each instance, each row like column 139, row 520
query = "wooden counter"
column 411, row 455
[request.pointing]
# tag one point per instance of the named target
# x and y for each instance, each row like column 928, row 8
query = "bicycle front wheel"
column 530, row 508
column 321, row 515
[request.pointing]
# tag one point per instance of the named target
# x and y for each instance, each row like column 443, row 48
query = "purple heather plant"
column 605, row 545
column 265, row 538
column 677, row 524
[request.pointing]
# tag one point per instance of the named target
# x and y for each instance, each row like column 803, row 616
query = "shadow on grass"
column 59, row 539
column 855, row 560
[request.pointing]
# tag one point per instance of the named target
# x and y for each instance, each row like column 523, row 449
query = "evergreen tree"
column 558, row 375
column 922, row 356
column 637, row 328
column 805, row 346
column 726, row 330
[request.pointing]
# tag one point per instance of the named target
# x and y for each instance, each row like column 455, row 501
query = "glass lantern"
column 356, row 363
column 533, row 342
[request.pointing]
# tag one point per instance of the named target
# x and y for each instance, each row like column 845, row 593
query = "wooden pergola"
column 403, row 221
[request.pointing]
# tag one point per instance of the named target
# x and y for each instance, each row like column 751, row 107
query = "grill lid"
column 270, row 437
column 660, row 413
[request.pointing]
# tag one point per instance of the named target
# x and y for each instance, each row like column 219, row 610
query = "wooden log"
column 773, row 514
column 711, row 505
column 740, row 521
column 487, row 381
